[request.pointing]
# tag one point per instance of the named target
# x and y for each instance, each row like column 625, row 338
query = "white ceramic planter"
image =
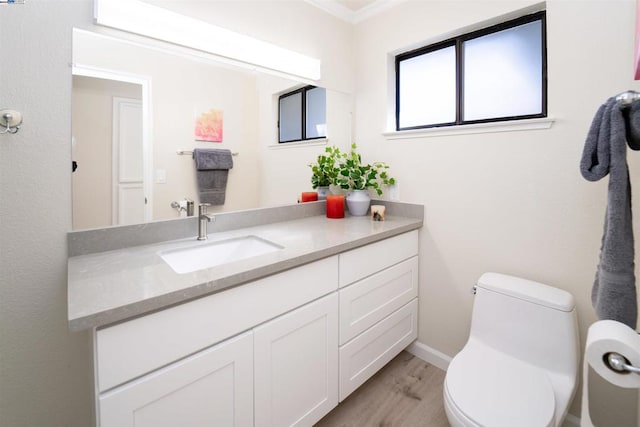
column 358, row 202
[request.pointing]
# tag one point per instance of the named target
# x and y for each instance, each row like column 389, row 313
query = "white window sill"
column 510, row 126
column 298, row 144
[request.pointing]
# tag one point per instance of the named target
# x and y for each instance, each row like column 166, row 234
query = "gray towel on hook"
column 212, row 170
column 632, row 119
column 614, row 290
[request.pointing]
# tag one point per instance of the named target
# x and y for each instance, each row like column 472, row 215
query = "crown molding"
column 334, row 8
column 374, row 9
column 340, row 11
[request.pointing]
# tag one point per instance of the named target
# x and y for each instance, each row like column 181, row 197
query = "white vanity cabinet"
column 193, row 364
column 378, row 306
column 279, row 351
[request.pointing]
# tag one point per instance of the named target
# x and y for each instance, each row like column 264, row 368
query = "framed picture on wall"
column 209, row 126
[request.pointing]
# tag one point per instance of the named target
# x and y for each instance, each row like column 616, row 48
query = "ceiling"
column 356, row 5
column 354, row 11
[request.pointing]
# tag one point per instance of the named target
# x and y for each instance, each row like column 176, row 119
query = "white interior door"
column 129, row 201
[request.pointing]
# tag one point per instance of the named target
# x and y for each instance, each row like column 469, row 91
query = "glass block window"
column 493, row 74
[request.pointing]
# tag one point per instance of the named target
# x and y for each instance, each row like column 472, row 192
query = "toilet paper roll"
column 606, row 336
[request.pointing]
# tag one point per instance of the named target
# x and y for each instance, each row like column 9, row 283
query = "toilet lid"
column 494, row 389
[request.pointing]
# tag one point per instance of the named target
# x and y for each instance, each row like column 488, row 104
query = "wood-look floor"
column 407, row 392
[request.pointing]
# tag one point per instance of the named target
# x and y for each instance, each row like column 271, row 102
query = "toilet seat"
column 490, row 388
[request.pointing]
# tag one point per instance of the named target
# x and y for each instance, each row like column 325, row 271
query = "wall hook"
column 10, row 121
column 626, row 98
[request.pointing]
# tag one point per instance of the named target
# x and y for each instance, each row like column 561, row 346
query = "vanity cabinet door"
column 296, row 365
column 211, row 388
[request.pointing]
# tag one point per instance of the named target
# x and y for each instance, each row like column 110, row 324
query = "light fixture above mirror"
column 148, row 20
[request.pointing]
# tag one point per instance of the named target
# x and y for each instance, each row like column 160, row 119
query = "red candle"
column 335, row 206
column 309, row 196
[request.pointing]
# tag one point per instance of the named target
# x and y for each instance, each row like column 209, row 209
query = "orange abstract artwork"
column 209, row 126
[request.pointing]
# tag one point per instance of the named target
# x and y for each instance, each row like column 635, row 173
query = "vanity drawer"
column 370, row 300
column 362, row 262
column 130, row 349
column 366, row 354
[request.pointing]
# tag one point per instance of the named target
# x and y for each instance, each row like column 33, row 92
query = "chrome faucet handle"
column 203, row 218
column 202, row 212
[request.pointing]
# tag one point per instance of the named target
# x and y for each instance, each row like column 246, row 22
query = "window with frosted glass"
column 493, row 74
column 316, row 109
column 291, row 117
column 503, row 73
column 427, row 88
column 302, row 114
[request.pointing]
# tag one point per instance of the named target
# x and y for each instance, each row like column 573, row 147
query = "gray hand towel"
column 632, row 118
column 614, row 290
column 212, row 170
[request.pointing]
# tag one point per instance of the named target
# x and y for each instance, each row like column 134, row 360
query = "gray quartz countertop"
column 111, row 286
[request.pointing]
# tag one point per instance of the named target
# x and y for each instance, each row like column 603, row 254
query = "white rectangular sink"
column 205, row 255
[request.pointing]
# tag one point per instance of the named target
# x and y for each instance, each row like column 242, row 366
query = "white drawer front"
column 362, row 262
column 369, row 352
column 130, row 349
column 370, row 300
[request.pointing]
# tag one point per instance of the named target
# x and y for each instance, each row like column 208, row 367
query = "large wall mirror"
column 134, row 109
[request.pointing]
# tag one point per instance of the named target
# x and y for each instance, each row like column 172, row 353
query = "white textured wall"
column 45, row 370
column 512, row 202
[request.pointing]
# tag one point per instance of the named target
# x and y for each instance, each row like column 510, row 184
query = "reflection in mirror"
column 135, row 107
column 109, row 185
column 302, row 114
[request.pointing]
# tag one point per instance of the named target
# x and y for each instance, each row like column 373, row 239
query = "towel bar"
column 190, row 152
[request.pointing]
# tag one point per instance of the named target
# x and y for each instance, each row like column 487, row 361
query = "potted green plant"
column 358, row 178
column 324, row 171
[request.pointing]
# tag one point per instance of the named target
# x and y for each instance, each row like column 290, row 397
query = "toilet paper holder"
column 620, row 364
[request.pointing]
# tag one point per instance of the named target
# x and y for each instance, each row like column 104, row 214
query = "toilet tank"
column 533, row 322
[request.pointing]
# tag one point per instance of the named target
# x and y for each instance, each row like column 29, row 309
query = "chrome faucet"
column 204, row 218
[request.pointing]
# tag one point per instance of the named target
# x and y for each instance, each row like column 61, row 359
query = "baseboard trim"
column 429, row 355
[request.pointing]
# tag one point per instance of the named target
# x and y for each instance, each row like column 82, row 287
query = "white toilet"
column 520, row 364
